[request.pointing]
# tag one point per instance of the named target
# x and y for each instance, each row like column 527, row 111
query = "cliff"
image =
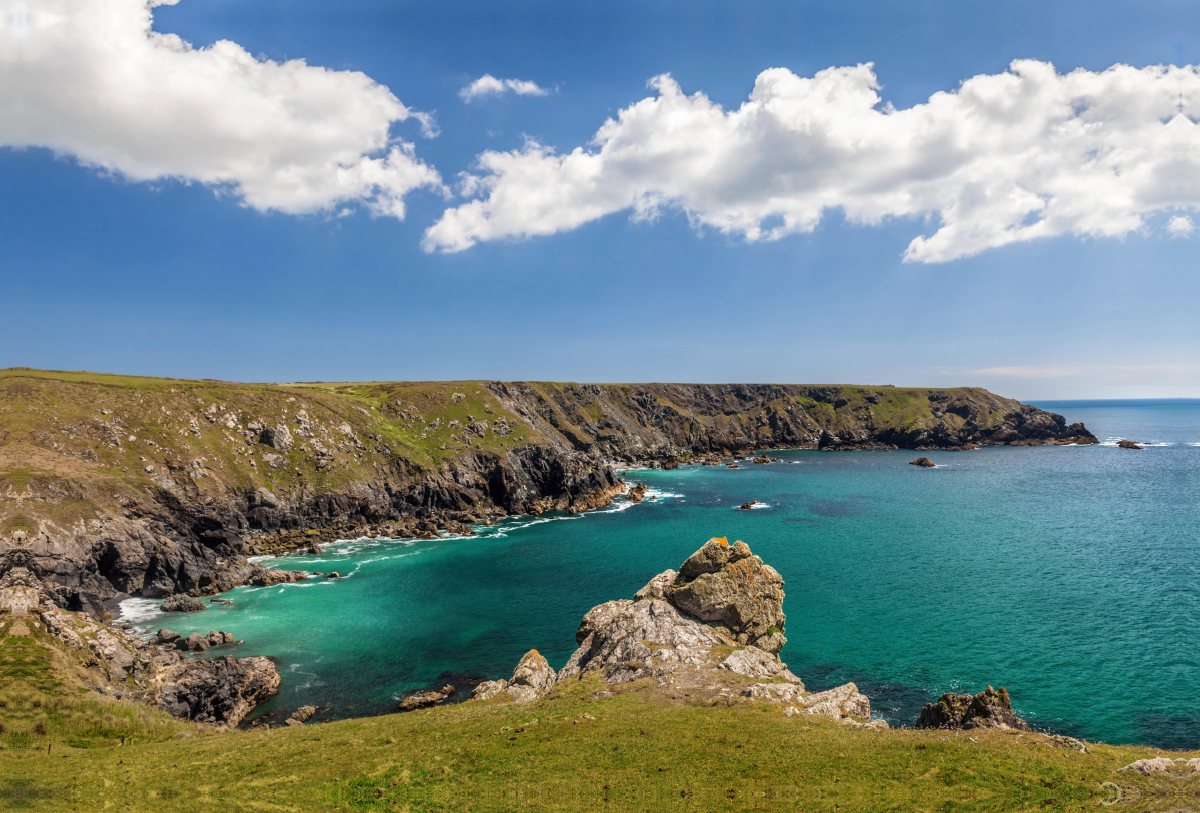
column 115, row 485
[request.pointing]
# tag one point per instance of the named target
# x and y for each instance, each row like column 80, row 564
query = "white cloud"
column 1005, row 158
column 488, row 85
column 89, row 79
column 1180, row 226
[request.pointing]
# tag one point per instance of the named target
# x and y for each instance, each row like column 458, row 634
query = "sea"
column 1069, row 575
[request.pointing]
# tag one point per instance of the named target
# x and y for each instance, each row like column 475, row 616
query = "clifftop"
column 117, row 484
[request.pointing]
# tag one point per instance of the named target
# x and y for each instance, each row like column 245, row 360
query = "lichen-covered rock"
column 754, row 662
column 220, row 691
column 731, row 589
column 988, row 709
column 532, row 678
column 302, row 714
column 182, row 604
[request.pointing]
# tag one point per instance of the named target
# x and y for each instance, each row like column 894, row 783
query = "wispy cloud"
column 488, row 85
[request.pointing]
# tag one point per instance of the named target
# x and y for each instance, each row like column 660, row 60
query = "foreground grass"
column 571, row 752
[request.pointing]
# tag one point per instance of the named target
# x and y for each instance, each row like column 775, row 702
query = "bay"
column 1068, row 575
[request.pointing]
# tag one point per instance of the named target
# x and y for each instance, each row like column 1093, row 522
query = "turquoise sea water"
column 1070, row 575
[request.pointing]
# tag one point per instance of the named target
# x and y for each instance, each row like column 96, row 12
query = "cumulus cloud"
column 488, row 85
column 90, row 79
column 1180, row 226
column 1005, row 158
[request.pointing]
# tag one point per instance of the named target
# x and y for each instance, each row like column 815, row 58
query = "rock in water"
column 731, row 589
column 637, row 493
column 988, row 709
column 302, row 714
column 182, row 604
column 219, row 691
column 1128, row 444
column 269, row 576
column 923, row 462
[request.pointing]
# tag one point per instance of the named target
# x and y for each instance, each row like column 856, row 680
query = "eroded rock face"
column 988, row 709
column 731, row 589
column 219, row 691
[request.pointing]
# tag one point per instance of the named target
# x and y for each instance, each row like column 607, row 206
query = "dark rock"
column 182, row 604
column 923, row 462
column 270, row 576
column 193, row 643
column 988, row 709
column 166, row 636
column 1128, row 444
column 216, row 638
column 220, row 691
column 746, row 506
column 637, row 493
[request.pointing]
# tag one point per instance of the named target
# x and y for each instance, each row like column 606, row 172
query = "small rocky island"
column 712, row 630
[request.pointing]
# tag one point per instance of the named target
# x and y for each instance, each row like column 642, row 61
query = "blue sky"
column 178, row 276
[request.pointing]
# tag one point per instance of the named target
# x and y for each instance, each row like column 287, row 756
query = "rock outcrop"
column 713, row 626
column 923, row 462
column 1129, row 444
column 182, row 604
column 988, row 709
column 220, row 691
column 270, row 576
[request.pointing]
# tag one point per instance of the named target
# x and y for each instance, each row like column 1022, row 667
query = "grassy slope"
column 570, row 752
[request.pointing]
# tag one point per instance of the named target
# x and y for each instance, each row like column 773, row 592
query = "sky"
column 920, row 194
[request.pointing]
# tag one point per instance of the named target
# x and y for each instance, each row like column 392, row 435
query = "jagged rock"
column 746, row 506
column 637, row 493
column 166, row 636
column 532, row 678
column 1128, row 444
column 220, row 691
column 278, row 438
column 216, row 638
column 302, row 714
column 182, row 604
column 270, row 576
column 1149, row 767
column 657, row 587
column 757, row 663
column 489, row 689
column 110, row 650
column 730, row 588
column 988, row 709
column 193, row 643
column 923, row 462
column 840, row 703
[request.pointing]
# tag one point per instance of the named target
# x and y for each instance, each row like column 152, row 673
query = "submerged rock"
column 182, row 604
column 988, row 709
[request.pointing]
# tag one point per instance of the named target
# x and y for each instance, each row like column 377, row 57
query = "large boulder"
column 220, row 691
column 988, row 709
column 730, row 588
column 270, row 576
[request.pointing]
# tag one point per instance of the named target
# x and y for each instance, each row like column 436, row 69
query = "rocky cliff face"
column 716, row 644
column 113, row 486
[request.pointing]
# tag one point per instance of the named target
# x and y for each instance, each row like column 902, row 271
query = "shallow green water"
column 1068, row 575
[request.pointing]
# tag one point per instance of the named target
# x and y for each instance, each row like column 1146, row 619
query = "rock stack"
column 707, row 627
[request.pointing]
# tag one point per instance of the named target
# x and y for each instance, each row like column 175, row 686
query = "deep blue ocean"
column 1069, row 575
